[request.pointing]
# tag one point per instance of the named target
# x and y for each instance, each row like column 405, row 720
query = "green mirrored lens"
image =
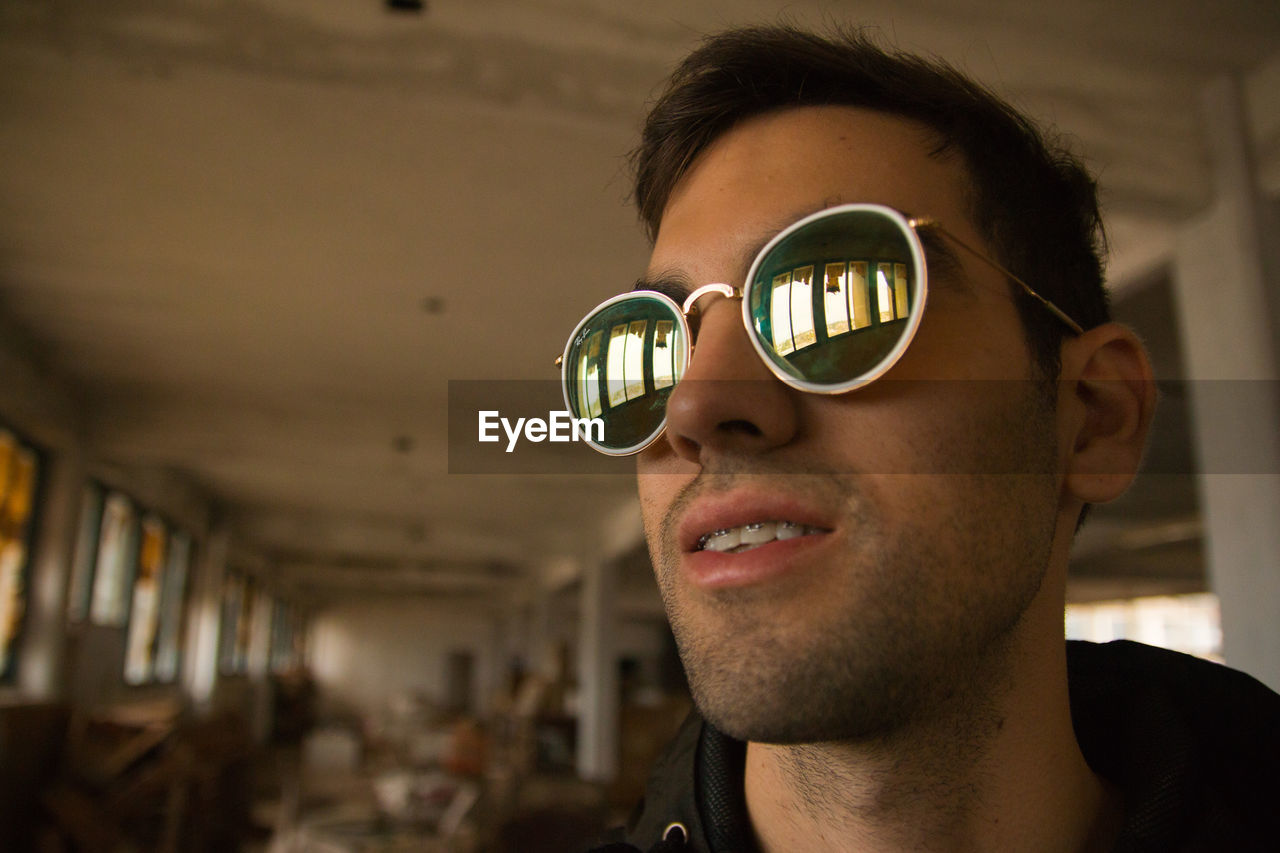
column 831, row 301
column 621, row 367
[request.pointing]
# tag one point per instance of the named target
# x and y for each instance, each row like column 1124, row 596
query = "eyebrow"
column 939, row 256
column 674, row 285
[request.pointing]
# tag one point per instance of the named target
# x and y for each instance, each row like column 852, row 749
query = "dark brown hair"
column 1031, row 199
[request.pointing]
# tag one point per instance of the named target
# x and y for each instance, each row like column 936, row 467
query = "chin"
column 804, row 703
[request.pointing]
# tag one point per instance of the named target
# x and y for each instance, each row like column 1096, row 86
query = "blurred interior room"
column 250, row 249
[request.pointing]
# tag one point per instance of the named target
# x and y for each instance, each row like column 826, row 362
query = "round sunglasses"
column 830, row 304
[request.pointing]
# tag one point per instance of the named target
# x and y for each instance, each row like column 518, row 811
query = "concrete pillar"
column 41, row 669
column 258, row 666
column 200, row 672
column 1229, row 328
column 541, row 653
column 598, row 674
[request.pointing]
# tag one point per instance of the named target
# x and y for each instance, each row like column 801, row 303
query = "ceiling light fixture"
column 417, row 7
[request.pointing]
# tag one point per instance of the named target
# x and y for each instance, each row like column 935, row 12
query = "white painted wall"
column 364, row 653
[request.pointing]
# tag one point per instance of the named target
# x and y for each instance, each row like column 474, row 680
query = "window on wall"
column 173, row 601
column 232, row 596
column 130, row 570
column 19, row 472
column 238, row 594
column 86, row 553
column 116, row 557
column 144, row 612
column 1190, row 623
column 244, row 625
column 286, row 637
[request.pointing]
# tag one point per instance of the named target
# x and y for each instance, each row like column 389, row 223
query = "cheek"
column 657, row 492
column 937, row 427
column 652, row 506
column 893, row 427
column 975, row 337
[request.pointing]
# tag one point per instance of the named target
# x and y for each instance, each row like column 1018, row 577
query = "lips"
column 748, row 538
column 753, row 519
column 735, row 540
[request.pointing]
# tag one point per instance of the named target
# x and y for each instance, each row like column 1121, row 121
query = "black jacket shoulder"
column 1194, row 746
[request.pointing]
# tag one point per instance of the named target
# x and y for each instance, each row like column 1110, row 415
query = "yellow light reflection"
column 588, row 376
column 859, row 308
column 615, row 374
column 884, row 293
column 835, row 299
column 802, row 325
column 634, row 363
column 664, row 354
column 900, row 290
column 780, row 314
column 144, row 617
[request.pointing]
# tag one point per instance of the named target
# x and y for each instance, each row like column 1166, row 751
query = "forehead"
column 772, row 169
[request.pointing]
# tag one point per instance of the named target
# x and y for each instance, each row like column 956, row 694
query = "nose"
column 728, row 402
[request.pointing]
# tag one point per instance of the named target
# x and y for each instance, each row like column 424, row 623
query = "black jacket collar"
column 1194, row 746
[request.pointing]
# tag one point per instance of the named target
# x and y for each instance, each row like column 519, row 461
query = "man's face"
column 920, row 550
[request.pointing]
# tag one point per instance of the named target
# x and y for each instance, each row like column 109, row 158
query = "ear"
column 1106, row 400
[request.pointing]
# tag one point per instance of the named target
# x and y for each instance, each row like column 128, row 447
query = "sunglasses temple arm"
column 994, row 264
column 1053, row 309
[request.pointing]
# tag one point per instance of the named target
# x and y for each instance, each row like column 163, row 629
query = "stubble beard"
column 919, row 622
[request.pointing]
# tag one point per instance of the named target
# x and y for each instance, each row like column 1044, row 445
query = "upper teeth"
column 750, row 535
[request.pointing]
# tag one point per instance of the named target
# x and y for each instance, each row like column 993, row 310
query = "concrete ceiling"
column 256, row 239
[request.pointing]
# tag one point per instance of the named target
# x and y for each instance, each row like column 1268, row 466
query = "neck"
column 997, row 769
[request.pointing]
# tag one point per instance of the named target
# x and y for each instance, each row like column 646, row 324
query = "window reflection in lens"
column 633, row 365
column 836, row 298
column 626, row 359
column 846, row 327
column 780, row 314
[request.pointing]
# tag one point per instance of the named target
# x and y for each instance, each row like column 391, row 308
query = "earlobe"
column 1107, row 400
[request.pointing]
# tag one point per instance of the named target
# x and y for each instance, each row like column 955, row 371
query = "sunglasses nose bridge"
column 720, row 346
column 727, row 400
column 728, row 291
